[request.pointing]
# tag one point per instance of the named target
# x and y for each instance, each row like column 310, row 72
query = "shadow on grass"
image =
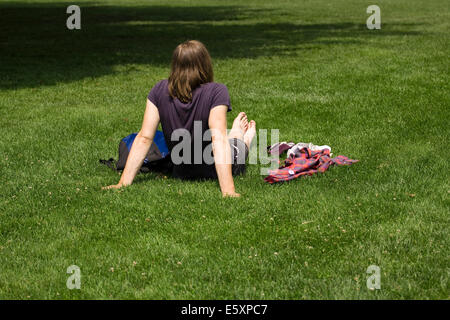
column 37, row 49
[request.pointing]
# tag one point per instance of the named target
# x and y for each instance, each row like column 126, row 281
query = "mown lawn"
column 308, row 68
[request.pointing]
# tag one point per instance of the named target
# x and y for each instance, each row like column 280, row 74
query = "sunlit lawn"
column 308, row 68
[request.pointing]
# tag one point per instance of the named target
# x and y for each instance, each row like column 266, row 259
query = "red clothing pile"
column 306, row 162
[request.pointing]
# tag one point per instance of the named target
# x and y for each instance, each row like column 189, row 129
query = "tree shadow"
column 37, row 49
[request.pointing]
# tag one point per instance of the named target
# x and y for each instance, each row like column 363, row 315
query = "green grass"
column 308, row 68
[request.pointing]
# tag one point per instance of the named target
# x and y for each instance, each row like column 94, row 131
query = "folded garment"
column 306, row 162
column 292, row 148
column 296, row 150
column 280, row 147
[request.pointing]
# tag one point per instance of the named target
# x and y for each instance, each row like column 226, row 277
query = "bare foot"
column 239, row 128
column 250, row 133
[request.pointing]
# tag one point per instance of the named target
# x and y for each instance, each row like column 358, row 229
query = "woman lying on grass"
column 191, row 103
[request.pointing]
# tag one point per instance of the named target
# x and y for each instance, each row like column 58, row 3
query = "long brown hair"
column 191, row 67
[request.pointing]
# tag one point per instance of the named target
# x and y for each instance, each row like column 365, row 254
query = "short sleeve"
column 220, row 96
column 155, row 93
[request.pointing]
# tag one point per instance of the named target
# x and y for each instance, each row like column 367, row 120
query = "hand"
column 230, row 195
column 113, row 186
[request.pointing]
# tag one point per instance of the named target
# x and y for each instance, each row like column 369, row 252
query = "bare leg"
column 239, row 128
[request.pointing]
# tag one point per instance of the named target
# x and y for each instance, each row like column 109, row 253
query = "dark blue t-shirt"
column 175, row 114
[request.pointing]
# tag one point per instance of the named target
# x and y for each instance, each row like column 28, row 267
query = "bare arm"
column 140, row 146
column 221, row 149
